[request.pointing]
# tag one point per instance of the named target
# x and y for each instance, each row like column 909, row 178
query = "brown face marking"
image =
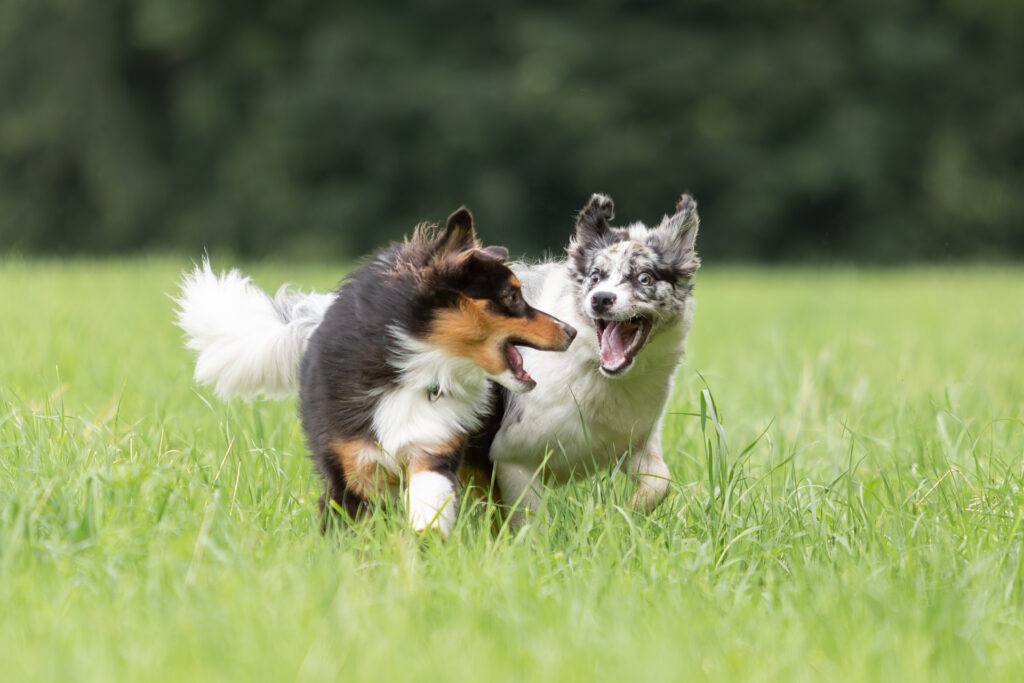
column 360, row 461
column 542, row 331
column 468, row 331
column 476, row 332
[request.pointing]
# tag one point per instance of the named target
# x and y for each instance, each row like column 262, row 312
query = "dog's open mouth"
column 620, row 341
column 515, row 364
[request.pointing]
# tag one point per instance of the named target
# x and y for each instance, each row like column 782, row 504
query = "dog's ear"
column 499, row 254
column 458, row 234
column 592, row 221
column 476, row 273
column 592, row 231
column 677, row 236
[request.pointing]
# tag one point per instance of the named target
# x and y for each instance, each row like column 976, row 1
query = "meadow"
column 847, row 448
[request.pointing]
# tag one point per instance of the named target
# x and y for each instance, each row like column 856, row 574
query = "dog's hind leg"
column 331, row 502
column 354, row 472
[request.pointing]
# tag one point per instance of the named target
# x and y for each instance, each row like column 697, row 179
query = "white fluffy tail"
column 248, row 344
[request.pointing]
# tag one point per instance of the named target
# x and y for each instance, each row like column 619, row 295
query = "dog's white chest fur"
column 577, row 418
column 439, row 399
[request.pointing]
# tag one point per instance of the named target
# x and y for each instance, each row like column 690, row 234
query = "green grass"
column 847, row 448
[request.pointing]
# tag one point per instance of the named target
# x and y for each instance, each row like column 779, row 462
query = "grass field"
column 848, row 507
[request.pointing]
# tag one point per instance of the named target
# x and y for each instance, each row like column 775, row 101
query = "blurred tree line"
column 880, row 130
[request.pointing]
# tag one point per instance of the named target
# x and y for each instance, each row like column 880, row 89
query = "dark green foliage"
column 875, row 131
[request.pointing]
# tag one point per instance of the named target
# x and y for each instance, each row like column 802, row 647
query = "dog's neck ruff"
column 435, row 398
column 434, row 371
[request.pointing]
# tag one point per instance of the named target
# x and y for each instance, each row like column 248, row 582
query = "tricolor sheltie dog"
column 395, row 370
column 628, row 290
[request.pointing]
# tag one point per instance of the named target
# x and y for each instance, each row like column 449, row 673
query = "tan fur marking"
column 438, row 456
column 475, row 484
column 472, row 331
column 363, row 476
column 469, row 332
column 543, row 332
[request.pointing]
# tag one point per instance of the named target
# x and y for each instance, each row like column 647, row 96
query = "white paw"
column 651, row 488
column 432, row 502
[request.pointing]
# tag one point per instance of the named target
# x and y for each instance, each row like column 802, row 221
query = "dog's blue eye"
column 645, row 278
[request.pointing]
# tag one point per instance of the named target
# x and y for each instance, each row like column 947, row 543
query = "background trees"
column 871, row 131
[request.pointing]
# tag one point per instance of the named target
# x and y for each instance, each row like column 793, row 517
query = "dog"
column 601, row 404
column 395, row 370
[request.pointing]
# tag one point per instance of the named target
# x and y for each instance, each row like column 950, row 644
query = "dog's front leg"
column 520, row 490
column 433, row 497
column 652, row 474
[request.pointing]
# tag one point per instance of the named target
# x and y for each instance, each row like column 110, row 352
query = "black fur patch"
column 479, row 445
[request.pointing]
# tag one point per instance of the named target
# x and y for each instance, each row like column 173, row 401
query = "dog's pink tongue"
column 613, row 346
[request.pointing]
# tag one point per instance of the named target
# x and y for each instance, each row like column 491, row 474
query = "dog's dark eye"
column 595, row 276
column 645, row 278
column 514, row 298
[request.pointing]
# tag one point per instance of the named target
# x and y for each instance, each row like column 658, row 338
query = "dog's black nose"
column 601, row 301
column 570, row 331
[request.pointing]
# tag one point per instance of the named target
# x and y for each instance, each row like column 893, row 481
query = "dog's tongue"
column 515, row 362
column 615, row 341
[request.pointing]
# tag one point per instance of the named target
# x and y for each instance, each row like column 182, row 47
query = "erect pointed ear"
column 592, row 222
column 684, row 223
column 458, row 234
column 678, row 235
